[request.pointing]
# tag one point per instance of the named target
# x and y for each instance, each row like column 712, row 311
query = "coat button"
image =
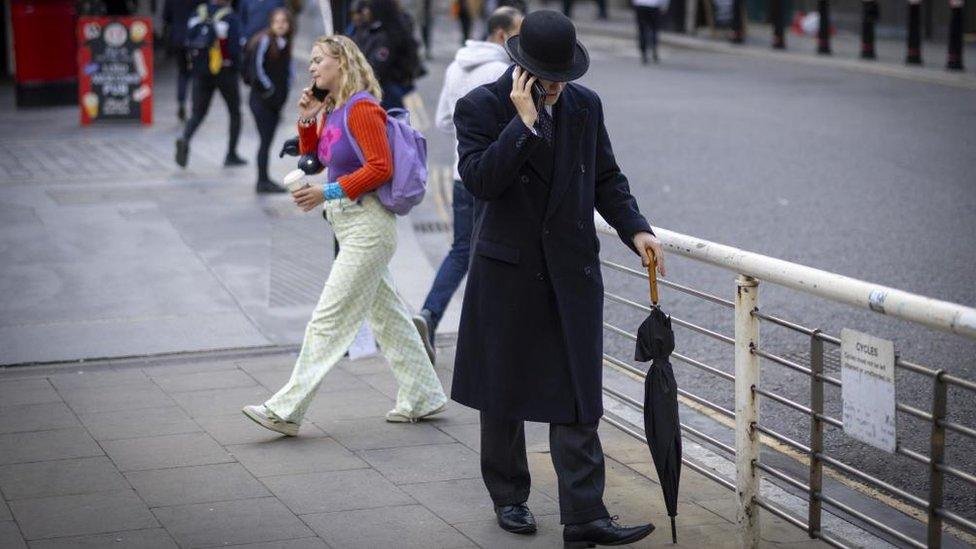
column 579, row 224
column 545, row 231
column 587, row 270
column 524, row 179
column 582, row 168
column 540, row 276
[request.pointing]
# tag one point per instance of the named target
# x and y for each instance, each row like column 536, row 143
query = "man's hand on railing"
column 644, row 241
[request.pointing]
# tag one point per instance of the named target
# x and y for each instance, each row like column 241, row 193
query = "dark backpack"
column 201, row 36
column 249, row 62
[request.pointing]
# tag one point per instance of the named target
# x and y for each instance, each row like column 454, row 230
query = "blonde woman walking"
column 360, row 285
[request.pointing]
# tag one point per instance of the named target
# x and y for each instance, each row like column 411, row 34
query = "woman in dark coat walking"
column 269, row 89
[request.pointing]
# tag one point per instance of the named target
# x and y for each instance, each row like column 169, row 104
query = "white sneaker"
column 269, row 420
column 396, row 416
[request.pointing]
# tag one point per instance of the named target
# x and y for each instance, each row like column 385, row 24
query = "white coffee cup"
column 295, row 180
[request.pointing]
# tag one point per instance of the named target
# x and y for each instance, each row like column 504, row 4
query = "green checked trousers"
column 360, row 286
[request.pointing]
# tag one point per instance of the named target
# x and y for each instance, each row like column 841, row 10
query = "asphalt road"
column 867, row 176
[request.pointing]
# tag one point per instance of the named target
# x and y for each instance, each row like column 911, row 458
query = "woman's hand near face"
column 308, row 105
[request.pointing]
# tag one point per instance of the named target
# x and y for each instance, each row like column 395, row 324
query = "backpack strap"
column 360, row 96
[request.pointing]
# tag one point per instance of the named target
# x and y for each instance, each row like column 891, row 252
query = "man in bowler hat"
column 530, row 345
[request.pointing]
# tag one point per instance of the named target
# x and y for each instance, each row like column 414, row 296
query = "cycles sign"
column 115, row 69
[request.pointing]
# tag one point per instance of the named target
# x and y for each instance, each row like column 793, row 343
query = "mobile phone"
column 318, row 93
column 538, row 95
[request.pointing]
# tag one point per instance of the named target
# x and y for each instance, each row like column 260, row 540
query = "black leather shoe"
column 516, row 519
column 233, row 160
column 265, row 186
column 182, row 152
column 603, row 531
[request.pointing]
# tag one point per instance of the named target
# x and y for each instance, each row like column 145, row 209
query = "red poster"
column 115, row 68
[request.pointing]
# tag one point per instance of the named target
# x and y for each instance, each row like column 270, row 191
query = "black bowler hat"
column 546, row 46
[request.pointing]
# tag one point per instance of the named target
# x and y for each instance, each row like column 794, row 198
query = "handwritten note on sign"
column 868, row 375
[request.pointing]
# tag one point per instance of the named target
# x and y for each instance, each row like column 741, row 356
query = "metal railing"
column 751, row 269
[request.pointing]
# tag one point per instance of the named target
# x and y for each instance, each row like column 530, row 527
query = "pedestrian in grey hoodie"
column 475, row 64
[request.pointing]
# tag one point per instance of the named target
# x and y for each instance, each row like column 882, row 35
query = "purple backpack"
column 408, row 147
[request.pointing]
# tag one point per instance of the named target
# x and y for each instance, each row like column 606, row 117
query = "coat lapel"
column 569, row 119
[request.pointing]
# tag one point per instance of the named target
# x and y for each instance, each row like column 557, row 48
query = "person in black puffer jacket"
column 269, row 90
column 386, row 39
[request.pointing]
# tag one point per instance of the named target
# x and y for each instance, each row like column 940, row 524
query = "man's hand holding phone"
column 522, row 98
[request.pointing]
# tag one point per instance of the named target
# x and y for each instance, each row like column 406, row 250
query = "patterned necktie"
column 545, row 125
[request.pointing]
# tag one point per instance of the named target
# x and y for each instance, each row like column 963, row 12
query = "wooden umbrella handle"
column 652, row 275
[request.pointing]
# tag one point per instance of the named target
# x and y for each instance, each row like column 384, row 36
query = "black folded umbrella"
column 655, row 342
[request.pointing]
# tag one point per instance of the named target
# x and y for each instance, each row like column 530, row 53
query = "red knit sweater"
column 367, row 122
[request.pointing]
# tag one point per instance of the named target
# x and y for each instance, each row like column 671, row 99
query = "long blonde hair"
column 355, row 73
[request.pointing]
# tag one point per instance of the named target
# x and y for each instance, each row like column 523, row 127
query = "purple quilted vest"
column 339, row 151
column 336, row 150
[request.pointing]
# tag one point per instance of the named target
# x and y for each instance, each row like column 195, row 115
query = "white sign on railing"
column 868, row 377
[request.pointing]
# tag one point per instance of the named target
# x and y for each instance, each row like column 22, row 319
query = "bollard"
column 746, row 410
column 738, row 31
column 869, row 17
column 776, row 14
column 954, row 60
column 914, row 55
column 823, row 34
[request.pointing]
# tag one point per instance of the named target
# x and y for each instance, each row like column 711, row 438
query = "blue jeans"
column 455, row 265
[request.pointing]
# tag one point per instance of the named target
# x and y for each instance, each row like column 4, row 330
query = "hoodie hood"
column 477, row 52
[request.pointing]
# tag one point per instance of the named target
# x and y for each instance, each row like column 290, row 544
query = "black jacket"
column 530, row 343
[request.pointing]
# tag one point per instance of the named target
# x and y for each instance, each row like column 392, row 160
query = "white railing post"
column 746, row 410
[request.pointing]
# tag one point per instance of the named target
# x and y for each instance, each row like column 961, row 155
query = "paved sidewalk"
column 155, row 453
column 846, row 47
column 108, row 249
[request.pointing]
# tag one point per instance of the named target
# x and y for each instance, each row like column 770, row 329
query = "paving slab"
column 370, row 434
column 81, row 378
column 411, row 526
column 19, row 392
column 221, row 379
column 336, row 491
column 62, row 516
column 239, row 429
column 303, row 543
column 467, row 500
column 36, row 417
column 198, row 484
column 231, row 522
column 425, row 463
column 216, row 402
column 144, row 422
column 47, row 445
column 486, row 533
column 352, row 404
column 338, row 380
column 156, row 538
column 106, row 399
column 293, row 455
column 10, row 537
column 60, row 478
column 136, row 454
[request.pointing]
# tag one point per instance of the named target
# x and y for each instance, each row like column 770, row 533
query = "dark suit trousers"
column 576, row 455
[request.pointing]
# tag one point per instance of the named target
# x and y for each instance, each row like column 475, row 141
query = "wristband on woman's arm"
column 333, row 191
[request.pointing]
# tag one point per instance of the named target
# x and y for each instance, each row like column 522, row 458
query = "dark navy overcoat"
column 530, row 343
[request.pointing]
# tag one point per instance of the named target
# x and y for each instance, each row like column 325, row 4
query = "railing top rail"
column 934, row 313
